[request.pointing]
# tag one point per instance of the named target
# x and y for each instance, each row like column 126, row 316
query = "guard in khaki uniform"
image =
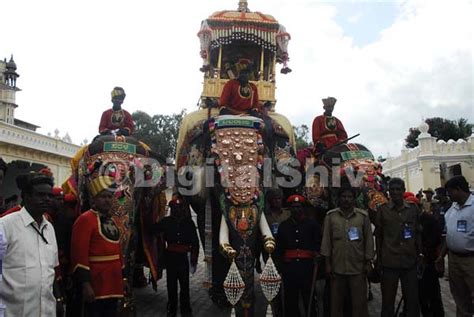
column 398, row 240
column 348, row 247
column 460, row 245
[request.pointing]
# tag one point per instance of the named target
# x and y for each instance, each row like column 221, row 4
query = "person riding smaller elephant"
column 327, row 129
column 117, row 120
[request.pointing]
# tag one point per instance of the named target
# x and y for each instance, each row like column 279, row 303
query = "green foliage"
column 302, row 137
column 159, row 132
column 441, row 129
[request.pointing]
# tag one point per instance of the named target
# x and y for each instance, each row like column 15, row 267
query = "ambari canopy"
column 225, row 27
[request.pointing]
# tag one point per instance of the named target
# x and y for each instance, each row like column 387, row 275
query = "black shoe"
column 186, row 313
column 185, row 308
column 171, row 311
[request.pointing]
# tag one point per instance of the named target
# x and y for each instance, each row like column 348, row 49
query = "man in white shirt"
column 31, row 252
column 460, row 245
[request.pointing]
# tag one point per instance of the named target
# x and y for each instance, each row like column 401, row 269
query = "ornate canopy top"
column 223, row 27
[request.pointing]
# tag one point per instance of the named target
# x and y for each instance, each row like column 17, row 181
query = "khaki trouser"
column 461, row 283
column 357, row 285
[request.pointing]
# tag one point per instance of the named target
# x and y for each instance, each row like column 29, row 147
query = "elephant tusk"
column 223, row 232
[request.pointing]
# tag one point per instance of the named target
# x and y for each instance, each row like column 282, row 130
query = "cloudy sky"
column 389, row 63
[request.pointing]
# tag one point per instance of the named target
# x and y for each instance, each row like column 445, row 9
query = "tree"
column 159, row 132
column 441, row 129
column 302, row 137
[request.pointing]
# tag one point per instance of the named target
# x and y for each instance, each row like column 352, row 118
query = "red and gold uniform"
column 239, row 98
column 328, row 130
column 96, row 255
column 120, row 119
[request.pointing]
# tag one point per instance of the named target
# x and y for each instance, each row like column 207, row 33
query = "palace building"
column 21, row 146
column 433, row 162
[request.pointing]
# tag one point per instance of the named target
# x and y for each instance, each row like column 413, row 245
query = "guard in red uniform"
column 95, row 253
column 117, row 120
column 327, row 129
column 179, row 233
column 298, row 243
column 239, row 95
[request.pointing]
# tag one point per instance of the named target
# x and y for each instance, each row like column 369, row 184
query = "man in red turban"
column 327, row 129
column 117, row 120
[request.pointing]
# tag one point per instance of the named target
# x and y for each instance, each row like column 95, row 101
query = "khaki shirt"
column 398, row 235
column 347, row 241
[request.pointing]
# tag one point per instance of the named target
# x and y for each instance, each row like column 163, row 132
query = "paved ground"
column 151, row 303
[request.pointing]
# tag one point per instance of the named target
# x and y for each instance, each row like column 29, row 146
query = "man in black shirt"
column 179, row 233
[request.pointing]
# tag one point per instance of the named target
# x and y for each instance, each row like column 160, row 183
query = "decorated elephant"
column 139, row 196
column 349, row 163
column 221, row 161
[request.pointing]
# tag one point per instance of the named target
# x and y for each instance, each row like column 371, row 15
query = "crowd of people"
column 411, row 242
column 52, row 255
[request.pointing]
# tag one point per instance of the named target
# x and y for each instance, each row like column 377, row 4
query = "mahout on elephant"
column 227, row 158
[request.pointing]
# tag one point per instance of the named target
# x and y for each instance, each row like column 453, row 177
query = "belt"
column 178, row 248
column 104, row 258
column 328, row 135
column 463, row 254
column 298, row 254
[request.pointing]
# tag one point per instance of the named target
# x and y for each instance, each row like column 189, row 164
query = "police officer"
column 398, row 240
column 349, row 248
column 179, row 233
column 298, row 243
column 460, row 245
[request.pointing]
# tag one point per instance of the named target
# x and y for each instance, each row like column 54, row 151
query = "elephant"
column 344, row 164
column 139, row 197
column 221, row 161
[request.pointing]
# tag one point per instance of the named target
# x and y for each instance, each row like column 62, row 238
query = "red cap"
column 296, row 199
column 69, row 198
column 412, row 199
column 58, row 191
column 408, row 194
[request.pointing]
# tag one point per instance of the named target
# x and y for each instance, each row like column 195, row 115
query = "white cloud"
column 355, row 17
column 71, row 54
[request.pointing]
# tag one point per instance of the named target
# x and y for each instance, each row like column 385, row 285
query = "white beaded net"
column 234, row 286
column 270, row 280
